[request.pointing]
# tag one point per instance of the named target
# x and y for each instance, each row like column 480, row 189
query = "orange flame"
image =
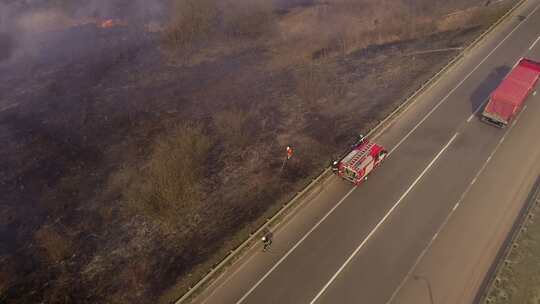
column 108, row 23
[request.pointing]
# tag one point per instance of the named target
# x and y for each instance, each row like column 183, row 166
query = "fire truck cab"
column 363, row 158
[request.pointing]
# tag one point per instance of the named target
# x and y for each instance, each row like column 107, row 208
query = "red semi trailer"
column 357, row 164
column 506, row 101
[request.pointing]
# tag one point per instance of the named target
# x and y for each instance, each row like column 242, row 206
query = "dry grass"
column 197, row 26
column 5, row 275
column 233, row 127
column 518, row 280
column 316, row 81
column 247, row 18
column 179, row 203
column 57, row 246
column 340, row 27
column 168, row 189
column 190, row 21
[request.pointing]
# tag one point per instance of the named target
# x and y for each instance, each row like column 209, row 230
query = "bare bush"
column 190, row 21
column 169, row 188
column 57, row 246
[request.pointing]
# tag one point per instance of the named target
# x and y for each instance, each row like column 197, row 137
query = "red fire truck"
column 363, row 158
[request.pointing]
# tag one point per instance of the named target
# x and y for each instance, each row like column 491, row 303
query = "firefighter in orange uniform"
column 289, row 152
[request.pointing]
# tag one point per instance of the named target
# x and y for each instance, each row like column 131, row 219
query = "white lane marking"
column 362, row 244
column 515, row 64
column 399, row 143
column 477, row 110
column 462, row 81
column 534, row 43
column 445, row 222
column 215, row 290
column 251, row 257
column 295, row 246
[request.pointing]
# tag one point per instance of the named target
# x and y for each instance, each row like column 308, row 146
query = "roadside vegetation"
column 170, row 186
column 518, row 277
column 135, row 157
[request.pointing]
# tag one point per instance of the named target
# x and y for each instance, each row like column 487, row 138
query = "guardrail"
column 374, row 132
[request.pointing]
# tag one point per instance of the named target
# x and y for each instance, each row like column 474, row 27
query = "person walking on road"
column 266, row 240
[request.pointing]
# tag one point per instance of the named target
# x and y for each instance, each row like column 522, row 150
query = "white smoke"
column 21, row 21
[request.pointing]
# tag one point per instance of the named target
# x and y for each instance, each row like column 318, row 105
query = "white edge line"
column 398, row 144
column 424, row 252
column 534, row 43
column 477, row 110
column 461, row 82
column 295, row 246
column 362, row 244
column 215, row 290
column 244, row 263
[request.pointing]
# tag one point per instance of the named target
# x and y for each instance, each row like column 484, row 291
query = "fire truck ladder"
column 357, row 159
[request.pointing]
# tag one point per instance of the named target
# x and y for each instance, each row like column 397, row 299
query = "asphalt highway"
column 427, row 224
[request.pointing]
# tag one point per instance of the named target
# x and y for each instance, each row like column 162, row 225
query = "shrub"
column 168, row 189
